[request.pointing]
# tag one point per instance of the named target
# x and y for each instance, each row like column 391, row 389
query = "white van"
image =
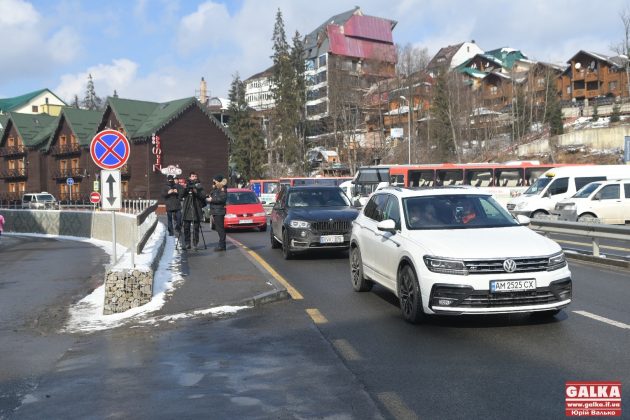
column 559, row 183
column 608, row 201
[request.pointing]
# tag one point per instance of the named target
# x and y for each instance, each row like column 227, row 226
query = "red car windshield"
column 245, row 197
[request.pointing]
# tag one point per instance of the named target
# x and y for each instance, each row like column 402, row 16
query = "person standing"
column 1, row 224
column 172, row 194
column 192, row 213
column 217, row 200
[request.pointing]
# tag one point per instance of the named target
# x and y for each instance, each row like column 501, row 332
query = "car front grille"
column 523, row 265
column 467, row 297
column 511, row 206
column 338, row 227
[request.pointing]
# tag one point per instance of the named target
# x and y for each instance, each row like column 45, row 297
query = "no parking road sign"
column 110, row 149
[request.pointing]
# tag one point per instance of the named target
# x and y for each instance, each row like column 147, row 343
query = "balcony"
column 125, row 172
column 14, row 173
column 12, row 151
column 66, row 149
column 69, row 173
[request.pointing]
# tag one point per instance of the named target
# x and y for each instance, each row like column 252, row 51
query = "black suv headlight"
column 299, row 224
column 445, row 265
column 556, row 261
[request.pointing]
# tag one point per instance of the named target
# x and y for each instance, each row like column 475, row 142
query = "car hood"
column 244, row 208
column 314, row 214
column 515, row 241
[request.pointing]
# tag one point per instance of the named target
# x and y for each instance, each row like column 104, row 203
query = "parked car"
column 308, row 218
column 456, row 251
column 243, row 210
column 608, row 201
column 41, row 200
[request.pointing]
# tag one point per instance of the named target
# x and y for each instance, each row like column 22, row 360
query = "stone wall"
column 595, row 138
column 127, row 289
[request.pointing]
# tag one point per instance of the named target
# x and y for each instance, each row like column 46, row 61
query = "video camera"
column 192, row 185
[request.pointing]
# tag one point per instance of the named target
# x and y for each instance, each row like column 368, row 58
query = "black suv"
column 311, row 217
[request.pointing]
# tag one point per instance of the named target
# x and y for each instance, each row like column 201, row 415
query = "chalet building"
column 344, row 56
column 37, row 102
column 592, row 75
column 452, row 56
column 189, row 137
column 67, row 152
column 23, row 167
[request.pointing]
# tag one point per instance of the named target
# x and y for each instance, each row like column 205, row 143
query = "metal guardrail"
column 594, row 231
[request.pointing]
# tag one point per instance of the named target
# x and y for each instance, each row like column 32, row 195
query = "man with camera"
column 217, row 200
column 194, row 199
column 172, row 194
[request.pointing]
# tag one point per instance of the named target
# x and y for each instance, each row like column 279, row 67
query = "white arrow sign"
column 111, row 196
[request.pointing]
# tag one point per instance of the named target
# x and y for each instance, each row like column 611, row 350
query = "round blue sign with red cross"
column 109, row 149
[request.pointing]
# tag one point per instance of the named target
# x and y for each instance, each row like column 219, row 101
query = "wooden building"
column 189, row 137
column 591, row 75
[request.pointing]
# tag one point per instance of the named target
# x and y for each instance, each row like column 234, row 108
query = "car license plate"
column 331, row 239
column 498, row 286
column 243, row 221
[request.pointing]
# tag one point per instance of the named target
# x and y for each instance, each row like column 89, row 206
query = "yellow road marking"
column 316, row 316
column 346, row 350
column 293, row 292
column 396, row 406
column 589, row 244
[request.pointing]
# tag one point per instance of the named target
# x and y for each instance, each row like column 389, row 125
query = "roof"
column 310, row 40
column 141, row 119
column 11, row 104
column 616, row 61
column 265, row 73
column 445, row 52
column 506, row 55
column 32, row 128
column 82, row 122
column 423, row 192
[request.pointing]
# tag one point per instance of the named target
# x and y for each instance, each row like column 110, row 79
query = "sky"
column 158, row 50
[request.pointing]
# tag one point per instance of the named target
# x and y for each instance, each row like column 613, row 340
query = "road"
column 490, row 367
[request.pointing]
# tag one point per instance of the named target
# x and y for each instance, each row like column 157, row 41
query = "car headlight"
column 569, row 206
column 521, row 205
column 556, row 261
column 446, row 266
column 299, row 224
column 230, row 216
column 262, row 213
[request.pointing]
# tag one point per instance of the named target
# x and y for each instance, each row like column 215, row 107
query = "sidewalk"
column 215, row 279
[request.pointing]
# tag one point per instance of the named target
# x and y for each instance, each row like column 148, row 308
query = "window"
column 392, row 211
column 493, row 90
column 558, row 186
column 450, row 177
column 540, row 82
column 11, row 142
column 568, row 90
column 609, row 192
column 34, row 109
column 582, row 181
column 322, row 60
column 479, row 177
column 626, row 188
column 508, row 177
column 62, row 140
column 612, row 85
column 377, row 208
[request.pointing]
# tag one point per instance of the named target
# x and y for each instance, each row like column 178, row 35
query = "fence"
column 127, row 206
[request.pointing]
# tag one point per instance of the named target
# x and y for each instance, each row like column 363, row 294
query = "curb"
column 597, row 260
column 280, row 292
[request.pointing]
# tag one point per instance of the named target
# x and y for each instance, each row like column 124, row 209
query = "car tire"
column 409, row 295
column 359, row 282
column 263, row 228
column 274, row 243
column 584, row 217
column 538, row 213
column 286, row 251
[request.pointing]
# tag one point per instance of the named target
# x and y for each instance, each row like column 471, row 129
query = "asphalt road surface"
column 475, row 367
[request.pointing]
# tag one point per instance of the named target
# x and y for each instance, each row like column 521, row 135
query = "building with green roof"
column 36, row 102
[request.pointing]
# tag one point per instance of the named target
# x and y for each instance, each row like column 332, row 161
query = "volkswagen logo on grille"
column 509, row 265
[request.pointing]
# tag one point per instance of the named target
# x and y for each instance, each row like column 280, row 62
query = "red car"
column 242, row 211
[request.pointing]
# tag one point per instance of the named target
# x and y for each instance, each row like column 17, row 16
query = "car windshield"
column 455, row 212
column 538, row 186
column 46, row 197
column 587, row 190
column 317, row 198
column 236, row 198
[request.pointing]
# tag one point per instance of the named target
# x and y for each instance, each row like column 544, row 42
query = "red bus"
column 502, row 180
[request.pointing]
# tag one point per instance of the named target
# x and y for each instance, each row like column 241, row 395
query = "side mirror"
column 597, row 197
column 523, row 220
column 387, row 226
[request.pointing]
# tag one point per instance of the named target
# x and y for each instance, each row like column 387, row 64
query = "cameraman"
column 217, row 200
column 172, row 194
column 194, row 199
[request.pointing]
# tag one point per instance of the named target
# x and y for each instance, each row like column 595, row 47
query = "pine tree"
column 91, row 101
column 299, row 89
column 286, row 111
column 554, row 115
column 615, row 116
column 75, row 102
column 248, row 150
column 595, row 116
column 441, row 125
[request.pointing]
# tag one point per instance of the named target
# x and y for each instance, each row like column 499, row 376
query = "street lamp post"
column 409, row 128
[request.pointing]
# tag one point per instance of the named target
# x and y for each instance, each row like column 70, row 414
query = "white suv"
column 41, row 200
column 455, row 250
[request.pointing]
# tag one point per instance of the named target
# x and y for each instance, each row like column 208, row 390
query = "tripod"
column 187, row 203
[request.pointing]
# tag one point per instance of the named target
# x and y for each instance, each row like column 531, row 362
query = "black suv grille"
column 523, row 265
column 332, row 227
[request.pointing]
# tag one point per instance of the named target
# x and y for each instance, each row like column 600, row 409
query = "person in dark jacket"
column 192, row 213
column 172, row 194
column 216, row 200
